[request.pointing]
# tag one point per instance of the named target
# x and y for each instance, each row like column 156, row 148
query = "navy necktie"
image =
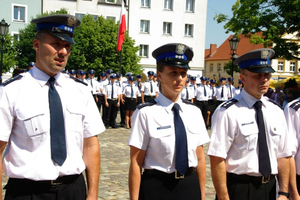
column 263, row 155
column 230, row 92
column 151, row 87
column 181, row 151
column 204, row 91
column 187, row 93
column 131, row 91
column 112, row 91
column 213, row 91
column 222, row 92
column 57, row 126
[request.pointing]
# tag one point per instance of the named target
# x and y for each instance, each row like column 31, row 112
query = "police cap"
column 109, row 71
column 91, row 71
column 230, row 79
column 113, row 75
column 193, row 78
column 213, row 81
column 222, row 79
column 61, row 26
column 256, row 61
column 131, row 78
column 31, row 64
column 102, row 74
column 151, row 73
column 72, row 71
column 139, row 76
column 128, row 74
column 174, row 54
column 81, row 72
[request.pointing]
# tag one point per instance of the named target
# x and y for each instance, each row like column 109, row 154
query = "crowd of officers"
column 205, row 95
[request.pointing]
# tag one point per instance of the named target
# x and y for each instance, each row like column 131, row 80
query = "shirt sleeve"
column 6, row 116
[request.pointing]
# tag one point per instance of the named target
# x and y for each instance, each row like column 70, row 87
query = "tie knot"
column 176, row 107
column 258, row 105
column 51, row 80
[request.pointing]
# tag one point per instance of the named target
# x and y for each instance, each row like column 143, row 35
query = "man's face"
column 91, row 76
column 256, row 84
column 150, row 77
column 193, row 82
column 51, row 54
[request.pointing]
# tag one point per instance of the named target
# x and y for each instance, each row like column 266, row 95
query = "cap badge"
column 180, row 48
column 71, row 21
column 265, row 54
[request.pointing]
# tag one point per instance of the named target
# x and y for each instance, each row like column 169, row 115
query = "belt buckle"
column 265, row 180
column 178, row 177
column 55, row 183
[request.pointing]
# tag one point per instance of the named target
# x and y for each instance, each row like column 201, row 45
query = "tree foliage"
column 95, row 47
column 274, row 18
column 229, row 66
column 9, row 53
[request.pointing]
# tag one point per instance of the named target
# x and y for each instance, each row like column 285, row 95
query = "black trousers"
column 156, row 187
column 203, row 107
column 298, row 183
column 22, row 189
column 100, row 102
column 240, row 189
column 148, row 98
column 110, row 113
column 122, row 113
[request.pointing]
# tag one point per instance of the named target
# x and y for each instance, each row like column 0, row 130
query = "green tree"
column 9, row 54
column 273, row 17
column 228, row 68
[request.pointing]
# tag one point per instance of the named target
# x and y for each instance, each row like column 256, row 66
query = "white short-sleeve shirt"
column 25, row 125
column 153, row 131
column 234, row 134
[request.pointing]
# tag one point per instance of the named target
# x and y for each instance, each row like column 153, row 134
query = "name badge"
column 163, row 127
column 243, row 124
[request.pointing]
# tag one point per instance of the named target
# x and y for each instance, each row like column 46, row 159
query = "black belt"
column 112, row 99
column 175, row 175
column 260, row 179
column 130, row 98
column 59, row 181
column 149, row 96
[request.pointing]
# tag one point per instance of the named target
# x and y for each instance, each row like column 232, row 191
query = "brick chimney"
column 213, row 49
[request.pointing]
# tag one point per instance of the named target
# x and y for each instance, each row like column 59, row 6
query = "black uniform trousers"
column 240, row 188
column 148, row 98
column 157, row 187
column 25, row 189
column 100, row 102
column 110, row 113
column 122, row 113
column 298, row 183
column 203, row 107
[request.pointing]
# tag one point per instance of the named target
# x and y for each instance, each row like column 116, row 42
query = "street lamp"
column 3, row 30
column 234, row 41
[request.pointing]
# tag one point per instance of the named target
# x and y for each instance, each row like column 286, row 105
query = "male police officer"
column 247, row 150
column 51, row 136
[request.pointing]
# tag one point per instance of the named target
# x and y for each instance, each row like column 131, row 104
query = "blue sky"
column 215, row 33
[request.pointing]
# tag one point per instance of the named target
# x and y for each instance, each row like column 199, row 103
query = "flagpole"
column 121, row 61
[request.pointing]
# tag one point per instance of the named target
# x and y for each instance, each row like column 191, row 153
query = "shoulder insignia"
column 78, row 80
column 295, row 105
column 274, row 102
column 229, row 103
column 149, row 103
column 12, row 79
column 188, row 102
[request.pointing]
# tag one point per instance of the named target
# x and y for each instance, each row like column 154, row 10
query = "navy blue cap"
column 72, row 71
column 150, row 73
column 113, row 75
column 63, row 71
column 256, row 61
column 240, row 81
column 61, row 26
column 188, row 76
column 31, row 64
column 203, row 78
column 139, row 76
column 91, row 71
column 154, row 75
column 109, row 71
column 213, row 81
column 187, row 80
column 102, row 74
column 230, row 79
column 118, row 75
column 131, row 78
column 81, row 72
column 222, row 79
column 129, row 74
column 174, row 54
column 193, row 78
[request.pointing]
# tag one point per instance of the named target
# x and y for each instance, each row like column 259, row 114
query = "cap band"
column 171, row 55
column 55, row 25
column 254, row 62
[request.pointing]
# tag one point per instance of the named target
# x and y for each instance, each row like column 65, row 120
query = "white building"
column 150, row 23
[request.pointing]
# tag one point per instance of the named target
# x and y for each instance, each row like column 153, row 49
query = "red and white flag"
column 122, row 28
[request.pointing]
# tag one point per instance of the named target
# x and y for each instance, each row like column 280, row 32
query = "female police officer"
column 165, row 139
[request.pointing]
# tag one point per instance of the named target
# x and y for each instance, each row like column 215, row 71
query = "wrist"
column 286, row 194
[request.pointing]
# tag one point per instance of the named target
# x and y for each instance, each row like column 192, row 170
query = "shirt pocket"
column 275, row 131
column 250, row 135
column 163, row 140
column 34, row 123
column 74, row 117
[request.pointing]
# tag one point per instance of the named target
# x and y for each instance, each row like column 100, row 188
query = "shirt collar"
column 42, row 78
column 250, row 100
column 167, row 104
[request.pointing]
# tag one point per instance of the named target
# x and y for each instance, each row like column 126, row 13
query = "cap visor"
column 63, row 37
column 267, row 69
column 185, row 66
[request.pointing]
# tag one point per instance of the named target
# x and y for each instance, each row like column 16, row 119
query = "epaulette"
column 78, row 80
column 295, row 105
column 149, row 103
column 274, row 102
column 229, row 103
column 12, row 79
column 188, row 102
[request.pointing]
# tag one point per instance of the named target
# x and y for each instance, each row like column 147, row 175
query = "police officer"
column 51, row 136
column 72, row 72
column 149, row 89
column 100, row 96
column 30, row 65
column 248, row 150
column 188, row 92
column 222, row 92
column 122, row 84
column 139, row 85
column 93, row 84
column 169, row 172
column 112, row 99
column 201, row 97
column 211, row 104
column 106, row 81
column 239, row 88
column 81, row 74
column 231, row 88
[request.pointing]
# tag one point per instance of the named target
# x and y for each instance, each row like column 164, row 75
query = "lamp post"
column 214, row 76
column 3, row 30
column 234, row 41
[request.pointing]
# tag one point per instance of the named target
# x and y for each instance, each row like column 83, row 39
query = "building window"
column 19, row 13
column 280, row 66
column 111, row 18
column 16, row 36
column 211, row 67
column 188, row 30
column 144, row 26
column 144, row 50
column 168, row 4
column 110, row 1
column 79, row 15
column 145, row 3
column 190, row 4
column 292, row 66
column 167, row 29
